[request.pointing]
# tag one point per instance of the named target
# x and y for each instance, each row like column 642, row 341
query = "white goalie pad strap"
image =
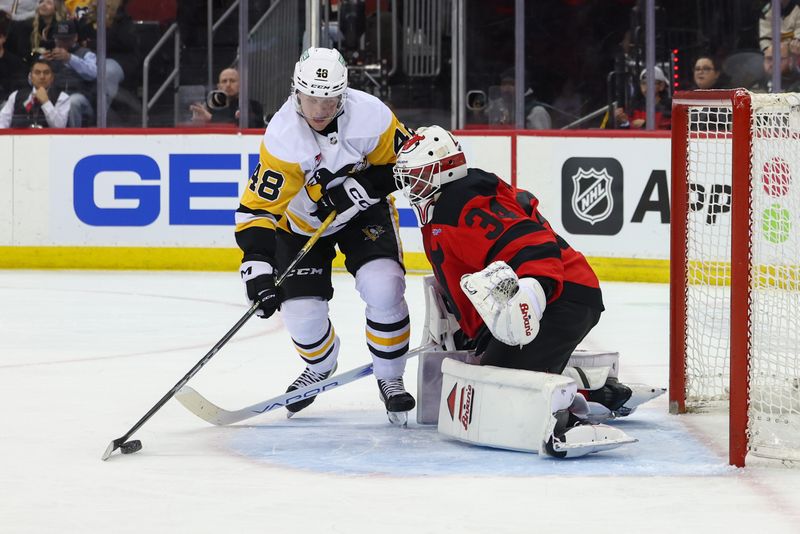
column 588, row 378
column 440, row 324
column 510, row 307
column 586, row 359
column 504, row 408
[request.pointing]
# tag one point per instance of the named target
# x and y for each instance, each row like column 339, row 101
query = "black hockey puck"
column 129, row 447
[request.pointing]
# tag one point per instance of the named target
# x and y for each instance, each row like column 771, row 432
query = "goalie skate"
column 397, row 400
column 641, row 393
column 586, row 439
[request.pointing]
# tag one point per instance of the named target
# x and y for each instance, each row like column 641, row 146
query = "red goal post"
column 735, row 266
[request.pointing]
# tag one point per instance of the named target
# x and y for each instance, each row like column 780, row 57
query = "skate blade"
column 642, row 393
column 398, row 418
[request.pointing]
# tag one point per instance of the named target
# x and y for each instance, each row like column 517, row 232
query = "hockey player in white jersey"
column 327, row 148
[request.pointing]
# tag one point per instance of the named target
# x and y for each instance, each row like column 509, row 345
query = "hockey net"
column 735, row 266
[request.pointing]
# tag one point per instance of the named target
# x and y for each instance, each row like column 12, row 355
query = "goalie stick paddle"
column 128, row 447
column 210, row 412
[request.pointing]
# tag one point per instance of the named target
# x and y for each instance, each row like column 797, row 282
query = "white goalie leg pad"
column 429, row 381
column 591, row 379
column 510, row 307
column 588, row 378
column 588, row 359
column 504, row 408
column 594, row 365
column 440, row 324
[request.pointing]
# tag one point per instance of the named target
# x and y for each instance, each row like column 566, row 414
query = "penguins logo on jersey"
column 373, row 232
column 323, row 176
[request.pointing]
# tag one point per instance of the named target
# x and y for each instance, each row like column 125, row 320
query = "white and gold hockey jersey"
column 283, row 190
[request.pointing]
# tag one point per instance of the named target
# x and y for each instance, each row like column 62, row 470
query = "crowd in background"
column 49, row 69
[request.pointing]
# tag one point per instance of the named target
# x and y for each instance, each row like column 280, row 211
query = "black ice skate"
column 613, row 395
column 306, row 378
column 397, row 400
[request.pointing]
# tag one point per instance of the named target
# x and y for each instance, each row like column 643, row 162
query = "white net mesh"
column 774, row 308
column 708, row 255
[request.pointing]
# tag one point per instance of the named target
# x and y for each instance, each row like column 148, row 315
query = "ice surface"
column 83, row 355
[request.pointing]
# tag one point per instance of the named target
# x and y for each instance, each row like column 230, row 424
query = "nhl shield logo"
column 373, row 232
column 591, row 197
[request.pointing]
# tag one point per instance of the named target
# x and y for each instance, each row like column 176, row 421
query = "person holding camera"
column 222, row 105
column 43, row 107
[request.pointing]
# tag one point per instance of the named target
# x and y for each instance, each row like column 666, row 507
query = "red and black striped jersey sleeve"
column 481, row 219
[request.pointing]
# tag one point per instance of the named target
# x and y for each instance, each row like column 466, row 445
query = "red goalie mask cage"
column 735, row 266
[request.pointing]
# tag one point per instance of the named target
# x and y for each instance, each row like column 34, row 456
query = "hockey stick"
column 210, row 412
column 128, row 447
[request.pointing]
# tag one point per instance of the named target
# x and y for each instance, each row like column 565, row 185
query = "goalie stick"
column 210, row 412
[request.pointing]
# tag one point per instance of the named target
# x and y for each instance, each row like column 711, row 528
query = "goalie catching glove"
column 259, row 282
column 511, row 307
column 348, row 199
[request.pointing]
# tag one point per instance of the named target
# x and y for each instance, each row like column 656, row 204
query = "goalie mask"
column 427, row 161
column 320, row 73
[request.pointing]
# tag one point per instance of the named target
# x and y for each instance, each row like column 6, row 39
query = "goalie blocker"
column 520, row 410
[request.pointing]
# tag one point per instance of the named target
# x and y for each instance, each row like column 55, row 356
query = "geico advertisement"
column 156, row 190
column 606, row 196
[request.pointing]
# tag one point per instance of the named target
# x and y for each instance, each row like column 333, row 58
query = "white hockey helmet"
column 321, row 73
column 427, row 161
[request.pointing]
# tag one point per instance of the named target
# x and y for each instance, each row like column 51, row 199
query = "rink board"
column 133, row 201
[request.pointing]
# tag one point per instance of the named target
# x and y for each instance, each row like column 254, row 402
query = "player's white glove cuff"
column 510, row 308
column 253, row 268
column 536, row 295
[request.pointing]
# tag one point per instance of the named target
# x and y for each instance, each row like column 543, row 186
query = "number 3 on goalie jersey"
column 268, row 185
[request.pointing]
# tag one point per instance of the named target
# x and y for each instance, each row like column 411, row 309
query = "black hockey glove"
column 348, row 199
column 259, row 282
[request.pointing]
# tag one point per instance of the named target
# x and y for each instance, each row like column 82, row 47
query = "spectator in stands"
column 12, row 68
column 707, row 74
column 502, row 101
column 76, row 68
column 790, row 25
column 637, row 117
column 29, row 39
column 19, row 9
column 122, row 56
column 790, row 76
column 36, row 109
column 222, row 105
